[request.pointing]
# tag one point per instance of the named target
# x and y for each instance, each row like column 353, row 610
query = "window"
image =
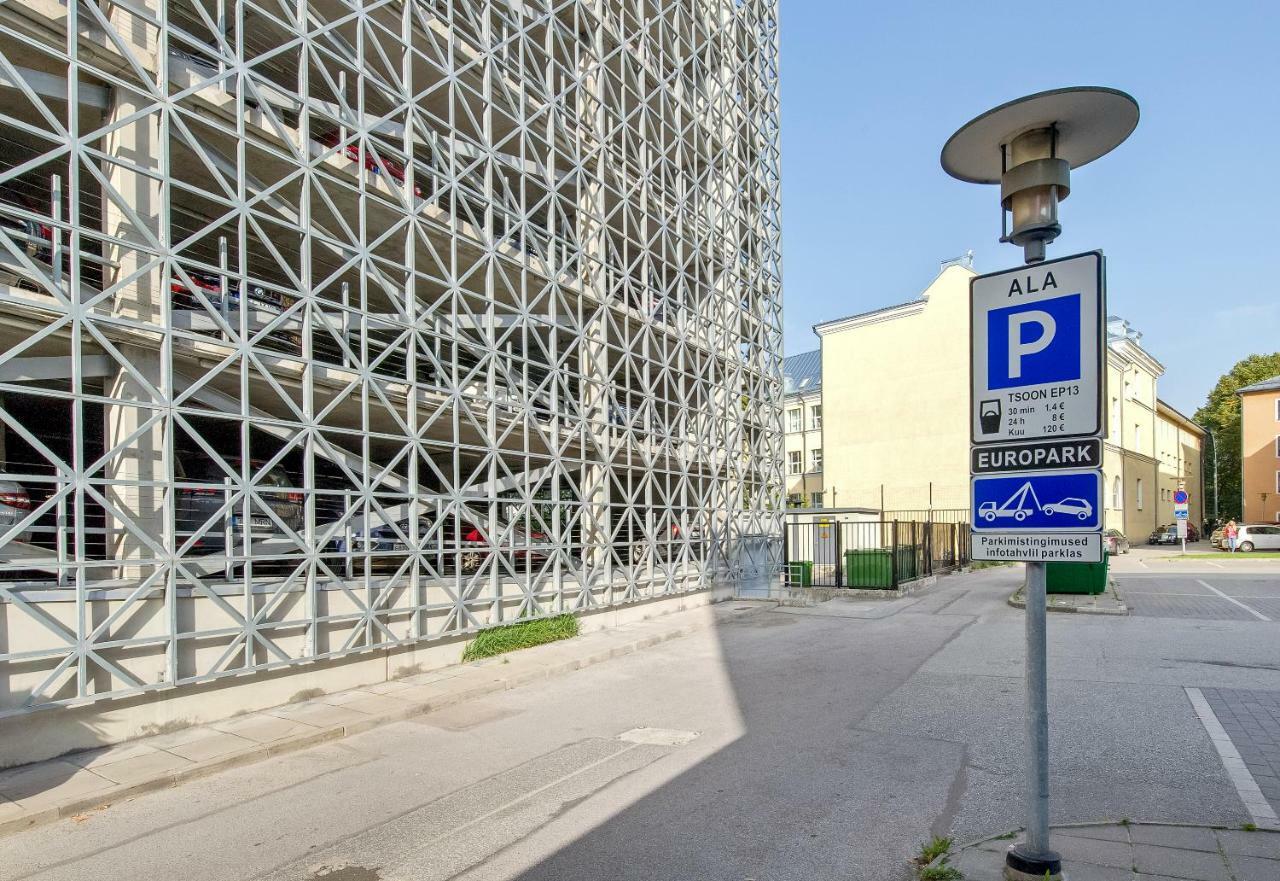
column 795, row 500
column 815, row 416
column 1277, row 409
column 815, row 500
column 1115, row 416
column 815, row 459
column 1278, row 446
column 1116, row 493
column 1137, row 436
column 793, row 419
column 793, row 462
column 1138, row 493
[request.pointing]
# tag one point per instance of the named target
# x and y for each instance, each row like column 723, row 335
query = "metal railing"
column 871, row 555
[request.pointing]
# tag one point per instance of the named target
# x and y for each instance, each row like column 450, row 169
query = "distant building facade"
column 1260, row 451
column 802, row 427
column 895, row 397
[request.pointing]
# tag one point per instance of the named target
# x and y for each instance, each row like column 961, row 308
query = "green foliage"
column 941, row 873
column 1249, row 827
column 937, row 850
column 526, row 634
column 933, row 849
column 1220, row 415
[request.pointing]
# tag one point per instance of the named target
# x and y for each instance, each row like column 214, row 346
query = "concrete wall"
column 44, row 733
column 1259, row 456
column 895, row 397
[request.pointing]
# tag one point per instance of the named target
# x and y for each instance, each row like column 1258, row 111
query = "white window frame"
column 815, row 500
column 815, row 460
column 1117, row 493
column 795, row 462
column 795, row 419
column 815, row 417
column 1277, row 409
column 1278, row 446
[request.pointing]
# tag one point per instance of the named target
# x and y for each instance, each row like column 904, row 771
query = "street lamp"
column 1029, row 147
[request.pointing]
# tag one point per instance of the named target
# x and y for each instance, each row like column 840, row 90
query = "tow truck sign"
column 1058, row 501
column 1038, row 517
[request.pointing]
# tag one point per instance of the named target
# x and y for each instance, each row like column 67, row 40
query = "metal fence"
column 879, row 554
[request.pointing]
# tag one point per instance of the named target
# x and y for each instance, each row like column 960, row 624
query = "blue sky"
column 1187, row 210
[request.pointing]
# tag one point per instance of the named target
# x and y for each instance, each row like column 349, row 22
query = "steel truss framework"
column 331, row 326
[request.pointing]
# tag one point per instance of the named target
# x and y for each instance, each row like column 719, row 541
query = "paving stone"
column 1196, row 864
column 50, row 783
column 1118, row 854
column 1188, row 838
column 1091, row 872
column 1107, row 832
column 107, row 755
column 1256, row 844
column 1255, row 869
column 142, row 767
column 263, row 729
column 981, row 865
column 214, row 744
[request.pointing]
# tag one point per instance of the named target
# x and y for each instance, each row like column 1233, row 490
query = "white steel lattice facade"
column 331, row 326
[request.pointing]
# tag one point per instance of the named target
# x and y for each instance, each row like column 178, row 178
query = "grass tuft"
column 941, row 873
column 526, row 634
column 930, row 851
column 1249, row 827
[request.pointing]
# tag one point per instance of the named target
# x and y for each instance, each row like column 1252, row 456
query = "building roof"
column 803, row 372
column 1173, row 412
column 1267, row 385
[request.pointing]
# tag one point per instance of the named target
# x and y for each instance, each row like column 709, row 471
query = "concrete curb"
column 455, row 690
column 1016, row 600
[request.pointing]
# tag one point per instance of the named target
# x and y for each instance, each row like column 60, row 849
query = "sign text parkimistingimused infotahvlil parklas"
column 1037, row 371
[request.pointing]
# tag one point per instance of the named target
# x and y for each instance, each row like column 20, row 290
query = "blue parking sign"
column 1034, row 343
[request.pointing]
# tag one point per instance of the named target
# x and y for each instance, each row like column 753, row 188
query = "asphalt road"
column 816, row 743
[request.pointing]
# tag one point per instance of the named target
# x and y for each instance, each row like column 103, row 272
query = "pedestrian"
column 1229, row 532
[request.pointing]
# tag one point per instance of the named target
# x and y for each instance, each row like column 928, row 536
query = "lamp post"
column 1028, row 147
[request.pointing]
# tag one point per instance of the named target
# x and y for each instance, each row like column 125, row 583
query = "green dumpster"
column 1088, row 578
column 800, row 572
column 868, row 569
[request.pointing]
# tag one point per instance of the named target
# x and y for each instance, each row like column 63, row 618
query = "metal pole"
column 1037, row 680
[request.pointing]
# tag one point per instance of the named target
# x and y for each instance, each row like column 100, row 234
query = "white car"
column 1079, row 507
column 1258, row 537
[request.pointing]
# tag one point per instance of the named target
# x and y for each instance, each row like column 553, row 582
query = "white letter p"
column 1017, row 348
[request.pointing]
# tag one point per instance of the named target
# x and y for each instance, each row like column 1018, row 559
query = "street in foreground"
column 796, row 743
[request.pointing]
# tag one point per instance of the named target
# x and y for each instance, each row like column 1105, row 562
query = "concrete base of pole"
column 1021, row 866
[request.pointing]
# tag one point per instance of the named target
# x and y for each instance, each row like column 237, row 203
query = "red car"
column 371, row 159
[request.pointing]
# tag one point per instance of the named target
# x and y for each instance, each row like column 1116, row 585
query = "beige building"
column 895, row 393
column 1260, row 451
column 802, row 424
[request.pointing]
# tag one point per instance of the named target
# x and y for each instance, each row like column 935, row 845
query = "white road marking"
column 1254, row 612
column 1214, row 565
column 658, row 736
column 1264, row 815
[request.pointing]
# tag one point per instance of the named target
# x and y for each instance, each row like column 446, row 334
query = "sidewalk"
column 1140, row 852
column 75, row 783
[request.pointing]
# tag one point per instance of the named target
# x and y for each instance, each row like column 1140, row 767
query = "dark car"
column 197, row 505
column 455, row 543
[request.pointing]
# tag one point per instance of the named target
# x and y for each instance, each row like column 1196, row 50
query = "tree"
column 1220, row 415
